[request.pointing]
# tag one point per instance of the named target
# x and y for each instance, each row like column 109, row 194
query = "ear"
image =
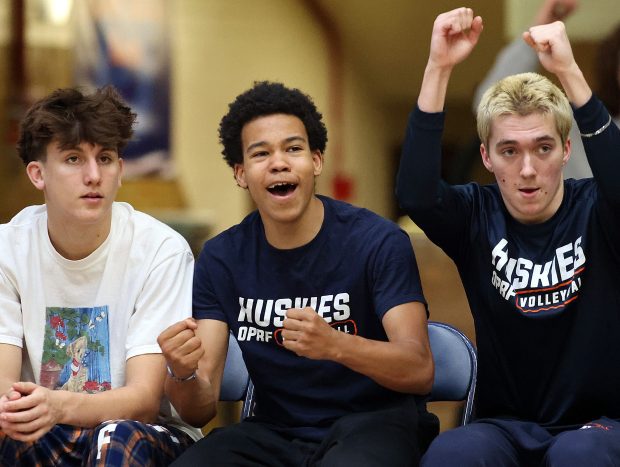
column 567, row 151
column 34, row 169
column 239, row 172
column 486, row 159
column 317, row 161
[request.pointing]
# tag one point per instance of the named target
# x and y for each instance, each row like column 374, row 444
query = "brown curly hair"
column 69, row 117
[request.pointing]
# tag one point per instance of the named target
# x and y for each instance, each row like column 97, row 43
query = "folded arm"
column 38, row 409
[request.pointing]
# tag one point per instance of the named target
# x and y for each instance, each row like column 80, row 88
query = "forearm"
column 11, row 358
column 601, row 149
column 89, row 410
column 404, row 366
column 195, row 400
column 199, row 346
column 432, row 97
column 575, row 85
column 5, row 385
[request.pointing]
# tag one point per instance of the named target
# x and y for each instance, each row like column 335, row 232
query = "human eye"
column 545, row 148
column 295, row 148
column 259, row 154
column 508, row 151
column 72, row 159
column 106, row 158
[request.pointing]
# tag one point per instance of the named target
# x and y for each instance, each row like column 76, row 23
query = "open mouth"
column 281, row 189
column 528, row 191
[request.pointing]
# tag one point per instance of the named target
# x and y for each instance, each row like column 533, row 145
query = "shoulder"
column 28, row 216
column 145, row 229
column 28, row 220
column 236, row 237
column 361, row 224
column 20, row 237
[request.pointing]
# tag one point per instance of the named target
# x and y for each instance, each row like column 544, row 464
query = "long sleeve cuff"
column 427, row 121
column 591, row 116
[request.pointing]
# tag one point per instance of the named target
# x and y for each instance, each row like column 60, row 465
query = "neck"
column 77, row 243
column 288, row 235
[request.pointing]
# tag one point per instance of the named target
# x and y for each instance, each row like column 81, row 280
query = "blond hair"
column 524, row 94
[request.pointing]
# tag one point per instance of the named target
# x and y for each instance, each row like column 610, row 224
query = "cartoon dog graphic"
column 79, row 372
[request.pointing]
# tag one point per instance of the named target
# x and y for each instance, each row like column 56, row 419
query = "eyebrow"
column 290, row 139
column 78, row 148
column 505, row 142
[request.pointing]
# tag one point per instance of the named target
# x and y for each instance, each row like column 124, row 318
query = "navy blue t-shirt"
column 545, row 297
column 356, row 269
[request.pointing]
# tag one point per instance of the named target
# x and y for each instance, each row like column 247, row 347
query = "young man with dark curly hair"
column 324, row 299
column 86, row 285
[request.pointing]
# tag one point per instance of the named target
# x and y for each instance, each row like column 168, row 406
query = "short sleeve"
column 11, row 328
column 210, row 283
column 164, row 300
column 395, row 275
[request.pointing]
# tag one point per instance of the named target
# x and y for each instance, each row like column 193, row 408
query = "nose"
column 92, row 173
column 527, row 166
column 279, row 162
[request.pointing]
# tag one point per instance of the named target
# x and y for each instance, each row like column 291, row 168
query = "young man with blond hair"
column 538, row 256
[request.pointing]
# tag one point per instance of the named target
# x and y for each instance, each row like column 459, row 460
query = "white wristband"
column 180, row 380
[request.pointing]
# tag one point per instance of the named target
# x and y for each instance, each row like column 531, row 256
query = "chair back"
column 235, row 380
column 455, row 370
column 456, row 366
column 236, row 383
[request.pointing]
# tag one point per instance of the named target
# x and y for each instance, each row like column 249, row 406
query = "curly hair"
column 268, row 98
column 70, row 117
column 607, row 71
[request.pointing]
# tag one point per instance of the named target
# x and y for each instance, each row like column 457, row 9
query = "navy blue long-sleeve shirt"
column 545, row 297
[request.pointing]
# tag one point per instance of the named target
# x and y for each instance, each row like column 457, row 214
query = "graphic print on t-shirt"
column 76, row 349
column 258, row 317
column 539, row 288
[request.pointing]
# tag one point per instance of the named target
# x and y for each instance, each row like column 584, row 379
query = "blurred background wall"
column 360, row 60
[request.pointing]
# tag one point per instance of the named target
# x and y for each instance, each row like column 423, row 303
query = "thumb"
column 477, row 26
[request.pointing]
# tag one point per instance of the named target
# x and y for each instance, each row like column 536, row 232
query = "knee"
column 114, row 440
column 453, row 447
column 580, row 447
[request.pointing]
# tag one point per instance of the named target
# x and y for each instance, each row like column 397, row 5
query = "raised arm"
column 554, row 51
column 454, row 36
column 601, row 137
column 196, row 354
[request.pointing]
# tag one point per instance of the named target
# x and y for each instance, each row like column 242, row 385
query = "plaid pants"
column 113, row 443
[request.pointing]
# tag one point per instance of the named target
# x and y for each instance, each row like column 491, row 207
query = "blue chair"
column 236, row 383
column 456, row 366
column 455, row 371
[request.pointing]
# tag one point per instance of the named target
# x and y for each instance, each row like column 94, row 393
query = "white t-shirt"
column 79, row 321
